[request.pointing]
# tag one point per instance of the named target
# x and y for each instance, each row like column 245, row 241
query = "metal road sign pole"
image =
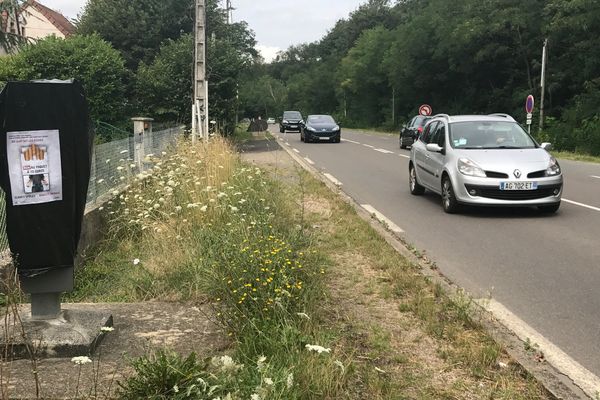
column 200, row 85
column 543, row 84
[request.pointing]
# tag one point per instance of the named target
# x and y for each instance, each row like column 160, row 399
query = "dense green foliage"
column 88, row 59
column 466, row 56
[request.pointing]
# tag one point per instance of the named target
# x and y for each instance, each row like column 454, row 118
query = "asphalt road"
column 545, row 269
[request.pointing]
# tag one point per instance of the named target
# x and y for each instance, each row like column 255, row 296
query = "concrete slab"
column 77, row 331
column 139, row 329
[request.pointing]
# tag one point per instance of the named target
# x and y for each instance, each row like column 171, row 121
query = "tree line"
column 376, row 67
column 136, row 58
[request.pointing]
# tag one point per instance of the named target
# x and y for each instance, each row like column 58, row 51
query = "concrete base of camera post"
column 73, row 332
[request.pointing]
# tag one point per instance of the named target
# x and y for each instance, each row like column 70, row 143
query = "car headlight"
column 285, row 121
column 468, row 167
column 336, row 128
column 310, row 129
column 301, row 122
column 553, row 167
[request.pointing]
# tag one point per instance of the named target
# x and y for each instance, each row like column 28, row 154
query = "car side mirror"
column 434, row 148
column 546, row 146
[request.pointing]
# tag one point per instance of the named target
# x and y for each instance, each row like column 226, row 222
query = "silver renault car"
column 484, row 161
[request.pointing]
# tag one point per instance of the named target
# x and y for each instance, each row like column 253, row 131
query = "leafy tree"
column 164, row 87
column 88, row 59
column 10, row 10
column 137, row 28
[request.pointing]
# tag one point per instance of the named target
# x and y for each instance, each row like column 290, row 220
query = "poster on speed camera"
column 34, row 166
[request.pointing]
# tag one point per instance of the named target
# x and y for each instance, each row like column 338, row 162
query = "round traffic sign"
column 425, row 109
column 529, row 104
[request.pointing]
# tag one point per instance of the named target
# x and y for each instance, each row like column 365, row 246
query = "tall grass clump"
column 202, row 226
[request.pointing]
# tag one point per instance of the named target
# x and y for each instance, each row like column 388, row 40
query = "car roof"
column 319, row 115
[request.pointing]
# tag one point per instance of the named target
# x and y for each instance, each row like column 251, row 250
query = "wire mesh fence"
column 113, row 165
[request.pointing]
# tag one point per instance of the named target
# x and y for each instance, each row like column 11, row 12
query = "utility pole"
column 200, row 106
column 394, row 106
column 229, row 10
column 543, row 84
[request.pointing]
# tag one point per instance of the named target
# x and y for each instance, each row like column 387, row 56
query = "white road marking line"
column 308, row 160
column 351, row 141
column 384, row 151
column 594, row 176
column 369, row 146
column 333, row 179
column 582, row 377
column 404, row 156
column 382, row 218
column 296, row 150
column 581, row 204
column 287, row 143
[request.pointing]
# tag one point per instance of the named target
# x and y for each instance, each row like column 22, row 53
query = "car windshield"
column 292, row 115
column 421, row 121
column 320, row 119
column 489, row 135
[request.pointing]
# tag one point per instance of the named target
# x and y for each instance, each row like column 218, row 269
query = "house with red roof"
column 36, row 21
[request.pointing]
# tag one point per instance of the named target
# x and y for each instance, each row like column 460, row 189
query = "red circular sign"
column 529, row 104
column 425, row 109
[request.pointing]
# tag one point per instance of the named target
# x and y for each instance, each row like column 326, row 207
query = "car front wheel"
column 449, row 202
column 415, row 188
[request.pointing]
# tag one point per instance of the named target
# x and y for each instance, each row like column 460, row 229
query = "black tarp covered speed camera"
column 45, row 156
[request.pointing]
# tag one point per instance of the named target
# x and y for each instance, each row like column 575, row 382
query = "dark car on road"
column 291, row 121
column 320, row 128
column 411, row 131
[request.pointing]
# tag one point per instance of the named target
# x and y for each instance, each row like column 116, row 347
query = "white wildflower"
column 221, row 194
column 203, row 208
column 131, row 165
column 107, row 329
column 136, row 261
column 234, row 209
column 108, row 160
column 115, row 192
column 211, row 200
column 290, row 380
column 81, row 360
column 255, row 396
column 317, row 348
column 268, row 381
column 260, row 364
column 340, row 364
column 178, row 208
column 176, row 389
column 156, row 206
column 100, row 180
column 120, row 168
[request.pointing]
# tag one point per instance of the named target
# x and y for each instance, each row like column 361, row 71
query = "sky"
column 277, row 24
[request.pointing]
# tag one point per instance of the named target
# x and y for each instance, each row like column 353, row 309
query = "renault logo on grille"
column 517, row 173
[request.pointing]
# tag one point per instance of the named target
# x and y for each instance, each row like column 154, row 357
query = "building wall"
column 38, row 26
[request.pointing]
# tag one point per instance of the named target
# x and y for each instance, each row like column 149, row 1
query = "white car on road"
column 484, row 161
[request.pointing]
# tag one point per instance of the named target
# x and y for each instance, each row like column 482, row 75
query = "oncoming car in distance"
column 291, row 121
column 484, row 160
column 270, row 121
column 320, row 128
column 411, row 131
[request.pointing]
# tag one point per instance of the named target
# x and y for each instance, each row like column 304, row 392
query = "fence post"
column 141, row 127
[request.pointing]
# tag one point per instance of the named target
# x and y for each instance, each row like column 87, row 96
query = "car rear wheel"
column 402, row 145
column 281, row 130
column 415, row 188
column 449, row 202
column 551, row 209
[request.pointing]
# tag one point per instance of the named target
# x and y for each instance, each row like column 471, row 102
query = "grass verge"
column 576, row 156
column 317, row 304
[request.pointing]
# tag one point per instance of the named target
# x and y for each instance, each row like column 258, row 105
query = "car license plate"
column 293, row 126
column 323, row 138
column 518, row 185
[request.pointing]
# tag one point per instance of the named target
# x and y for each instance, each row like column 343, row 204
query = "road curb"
column 556, row 383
